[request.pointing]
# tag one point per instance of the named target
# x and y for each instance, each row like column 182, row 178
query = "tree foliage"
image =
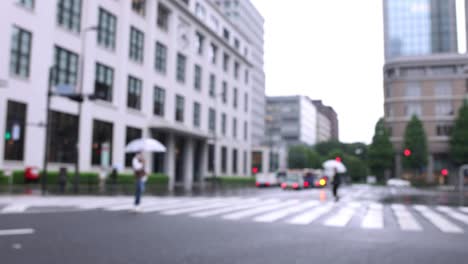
column 302, row 156
column 381, row 151
column 415, row 140
column 459, row 139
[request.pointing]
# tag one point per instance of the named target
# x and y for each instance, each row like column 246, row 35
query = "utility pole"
column 46, row 132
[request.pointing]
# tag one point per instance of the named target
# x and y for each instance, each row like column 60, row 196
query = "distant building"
column 327, row 125
column 419, row 27
column 291, row 120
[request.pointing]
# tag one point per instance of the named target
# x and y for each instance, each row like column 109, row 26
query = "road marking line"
column 14, row 208
column 198, row 208
column 243, row 206
column 454, row 214
column 464, row 209
column 438, row 220
column 343, row 216
column 308, row 217
column 273, row 216
column 177, row 205
column 126, row 205
column 15, row 232
column 374, row 217
column 256, row 211
column 405, row 219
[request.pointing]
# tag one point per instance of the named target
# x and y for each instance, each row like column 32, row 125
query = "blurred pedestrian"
column 336, row 184
column 138, row 165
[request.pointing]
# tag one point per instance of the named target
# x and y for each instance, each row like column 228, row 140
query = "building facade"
column 291, row 120
column 419, row 27
column 327, row 125
column 247, row 18
column 163, row 69
column 432, row 88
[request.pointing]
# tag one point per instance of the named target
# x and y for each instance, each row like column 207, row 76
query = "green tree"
column 459, row 139
column 380, row 151
column 324, row 148
column 356, row 168
column 415, row 140
column 302, row 156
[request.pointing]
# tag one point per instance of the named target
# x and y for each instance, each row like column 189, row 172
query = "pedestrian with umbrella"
column 336, row 167
column 140, row 146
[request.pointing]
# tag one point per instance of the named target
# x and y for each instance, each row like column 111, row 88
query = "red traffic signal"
column 254, row 170
column 444, row 172
column 338, row 159
column 407, row 152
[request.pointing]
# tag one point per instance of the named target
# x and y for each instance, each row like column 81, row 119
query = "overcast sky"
column 331, row 50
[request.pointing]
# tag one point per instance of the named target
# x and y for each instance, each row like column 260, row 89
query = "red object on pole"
column 338, row 159
column 444, row 172
column 407, row 152
column 254, row 170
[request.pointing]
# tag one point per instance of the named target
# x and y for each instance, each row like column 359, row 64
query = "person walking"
column 138, row 165
column 336, row 184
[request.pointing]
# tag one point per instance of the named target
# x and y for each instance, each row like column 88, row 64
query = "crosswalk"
column 365, row 215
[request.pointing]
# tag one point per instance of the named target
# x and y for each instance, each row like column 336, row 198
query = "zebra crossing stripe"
column 374, row 217
column 256, row 211
column 175, row 205
column 273, row 216
column 454, row 214
column 464, row 209
column 438, row 220
column 14, row 208
column 343, row 216
column 308, row 217
column 199, row 208
column 405, row 219
column 245, row 205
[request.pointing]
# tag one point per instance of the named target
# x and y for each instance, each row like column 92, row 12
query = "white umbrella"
column 145, row 145
column 333, row 164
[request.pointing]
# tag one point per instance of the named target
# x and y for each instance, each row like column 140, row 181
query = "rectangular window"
column 412, row 108
column 234, row 127
column 179, row 114
column 137, row 40
column 163, row 17
column 63, row 137
column 444, row 130
column 246, row 76
column 212, row 85
column 200, row 11
column 234, row 99
column 107, row 29
column 212, row 120
column 245, row 163
column 26, row 3
column 236, row 70
column 196, row 114
column 181, row 65
column 413, row 89
column 199, row 43
column 15, row 131
column 236, row 44
column 226, row 34
column 444, row 108
column 225, row 62
column 102, row 140
column 161, row 57
column 213, row 53
column 246, row 129
column 223, row 124
column 132, row 133
column 443, row 88
column 246, row 102
column 103, row 83
column 139, row 7
column 198, row 78
column 20, row 52
column 66, row 66
column 234, row 161
column 159, row 99
column 257, row 160
column 223, row 159
column 225, row 92
column 135, row 87
column 69, row 14
column 211, row 157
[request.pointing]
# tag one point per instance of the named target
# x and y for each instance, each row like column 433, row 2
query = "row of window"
column 421, row 71
column 63, row 134
column 442, row 130
column 224, row 159
column 414, row 89
column 442, row 108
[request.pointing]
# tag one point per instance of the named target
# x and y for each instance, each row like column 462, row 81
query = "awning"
column 179, row 129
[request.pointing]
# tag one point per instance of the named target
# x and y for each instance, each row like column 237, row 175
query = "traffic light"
column 338, row 159
column 7, row 135
column 444, row 172
column 254, row 170
column 407, row 152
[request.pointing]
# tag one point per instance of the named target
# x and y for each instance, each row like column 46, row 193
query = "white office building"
column 166, row 69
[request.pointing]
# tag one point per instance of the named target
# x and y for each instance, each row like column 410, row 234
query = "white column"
column 169, row 160
column 430, row 169
column 188, row 162
column 203, row 161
